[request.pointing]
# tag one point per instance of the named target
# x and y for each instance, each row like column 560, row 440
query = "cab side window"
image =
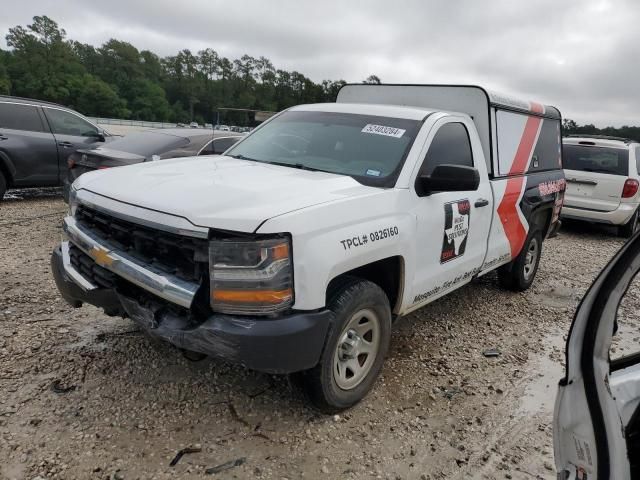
column 20, row 117
column 65, row 123
column 450, row 146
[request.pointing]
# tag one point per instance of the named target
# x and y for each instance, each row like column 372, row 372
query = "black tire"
column 322, row 383
column 519, row 274
column 628, row 229
column 3, row 186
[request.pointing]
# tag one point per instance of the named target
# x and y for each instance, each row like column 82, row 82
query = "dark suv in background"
column 36, row 138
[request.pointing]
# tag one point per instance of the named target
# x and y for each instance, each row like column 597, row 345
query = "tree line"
column 569, row 127
column 118, row 80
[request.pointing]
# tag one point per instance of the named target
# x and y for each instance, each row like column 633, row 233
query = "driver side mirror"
column 98, row 135
column 448, row 178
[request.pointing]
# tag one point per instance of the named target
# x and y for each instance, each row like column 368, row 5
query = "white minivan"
column 602, row 175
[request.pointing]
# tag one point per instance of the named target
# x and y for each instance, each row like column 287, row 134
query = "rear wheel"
column 3, row 186
column 355, row 348
column 628, row 229
column 518, row 275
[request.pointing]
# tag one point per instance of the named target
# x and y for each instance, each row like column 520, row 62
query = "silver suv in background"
column 603, row 176
column 36, row 138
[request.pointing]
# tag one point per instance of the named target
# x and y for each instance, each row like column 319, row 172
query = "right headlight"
column 251, row 277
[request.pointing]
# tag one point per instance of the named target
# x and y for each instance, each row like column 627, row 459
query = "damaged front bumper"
column 285, row 344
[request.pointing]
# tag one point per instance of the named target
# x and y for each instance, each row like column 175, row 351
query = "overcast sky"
column 581, row 56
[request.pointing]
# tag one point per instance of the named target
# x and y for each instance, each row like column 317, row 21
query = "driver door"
column 71, row 132
column 452, row 226
column 597, row 414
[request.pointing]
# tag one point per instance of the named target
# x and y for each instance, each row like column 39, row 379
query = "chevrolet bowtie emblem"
column 101, row 256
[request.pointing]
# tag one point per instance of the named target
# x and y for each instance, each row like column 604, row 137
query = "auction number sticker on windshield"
column 382, row 130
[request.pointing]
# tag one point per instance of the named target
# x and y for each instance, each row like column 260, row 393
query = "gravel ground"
column 84, row 396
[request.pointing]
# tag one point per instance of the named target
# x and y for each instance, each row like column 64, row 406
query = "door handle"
column 65, row 144
column 481, row 202
column 2, row 137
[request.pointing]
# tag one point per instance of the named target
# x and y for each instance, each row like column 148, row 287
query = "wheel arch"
column 388, row 273
column 541, row 219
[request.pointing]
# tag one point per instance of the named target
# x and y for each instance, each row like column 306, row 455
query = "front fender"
column 332, row 239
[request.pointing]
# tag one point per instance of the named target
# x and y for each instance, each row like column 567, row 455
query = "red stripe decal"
column 525, row 148
column 515, row 231
column 508, row 213
column 536, row 107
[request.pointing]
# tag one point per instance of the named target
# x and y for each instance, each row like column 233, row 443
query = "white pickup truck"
column 295, row 251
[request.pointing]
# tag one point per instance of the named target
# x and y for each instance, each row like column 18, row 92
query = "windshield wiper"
column 299, row 166
column 242, row 157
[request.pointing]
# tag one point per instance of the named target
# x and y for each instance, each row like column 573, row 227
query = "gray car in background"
column 146, row 146
column 36, row 138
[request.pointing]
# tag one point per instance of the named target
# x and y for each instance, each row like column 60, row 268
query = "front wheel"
column 355, row 350
column 518, row 275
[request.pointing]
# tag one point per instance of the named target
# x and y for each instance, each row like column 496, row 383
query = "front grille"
column 90, row 270
column 185, row 257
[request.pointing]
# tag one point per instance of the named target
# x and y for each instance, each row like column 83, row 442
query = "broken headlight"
column 251, row 277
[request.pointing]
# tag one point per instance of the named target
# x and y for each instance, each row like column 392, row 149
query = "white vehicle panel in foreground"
column 593, row 413
column 625, row 387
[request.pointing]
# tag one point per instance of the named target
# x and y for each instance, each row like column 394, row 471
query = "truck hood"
column 220, row 192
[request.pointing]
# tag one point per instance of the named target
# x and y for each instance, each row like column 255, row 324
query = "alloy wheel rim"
column 357, row 349
column 531, row 259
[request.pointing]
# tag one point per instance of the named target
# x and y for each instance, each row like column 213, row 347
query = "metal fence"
column 132, row 123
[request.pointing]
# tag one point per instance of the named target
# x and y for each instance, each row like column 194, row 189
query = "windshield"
column 614, row 161
column 370, row 149
column 147, row 143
